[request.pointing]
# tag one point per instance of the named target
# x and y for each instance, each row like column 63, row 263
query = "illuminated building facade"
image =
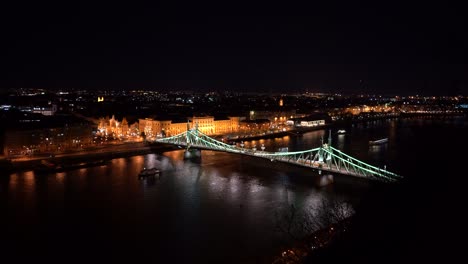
column 206, row 124
column 111, row 127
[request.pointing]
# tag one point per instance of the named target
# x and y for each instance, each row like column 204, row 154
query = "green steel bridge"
column 324, row 158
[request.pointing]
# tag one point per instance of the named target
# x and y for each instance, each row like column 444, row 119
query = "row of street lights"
column 254, row 148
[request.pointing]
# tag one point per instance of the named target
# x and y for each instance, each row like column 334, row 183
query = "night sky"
column 231, row 45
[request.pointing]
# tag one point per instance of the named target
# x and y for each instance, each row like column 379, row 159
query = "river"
column 223, row 209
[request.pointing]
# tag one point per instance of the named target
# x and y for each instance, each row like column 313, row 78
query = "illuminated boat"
column 378, row 141
column 149, row 172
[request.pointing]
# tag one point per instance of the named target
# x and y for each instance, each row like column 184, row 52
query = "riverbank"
column 292, row 132
column 361, row 119
column 108, row 153
column 302, row 130
column 311, row 243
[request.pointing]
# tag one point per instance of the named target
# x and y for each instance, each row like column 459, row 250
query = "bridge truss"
column 323, row 158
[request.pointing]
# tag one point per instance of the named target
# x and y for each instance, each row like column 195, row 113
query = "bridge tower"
column 328, row 156
column 327, row 178
column 325, row 159
column 191, row 153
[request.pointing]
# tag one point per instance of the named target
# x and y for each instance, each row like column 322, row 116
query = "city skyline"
column 398, row 49
column 231, row 132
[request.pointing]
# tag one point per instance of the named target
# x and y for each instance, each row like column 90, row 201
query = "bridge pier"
column 192, row 154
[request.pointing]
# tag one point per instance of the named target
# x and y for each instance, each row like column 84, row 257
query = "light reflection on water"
column 341, row 142
column 196, row 205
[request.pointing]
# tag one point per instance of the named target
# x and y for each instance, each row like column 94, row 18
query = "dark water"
column 220, row 210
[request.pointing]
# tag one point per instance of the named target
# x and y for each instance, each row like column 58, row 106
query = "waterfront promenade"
column 106, row 153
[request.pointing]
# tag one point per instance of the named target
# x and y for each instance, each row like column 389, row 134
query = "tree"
column 311, row 228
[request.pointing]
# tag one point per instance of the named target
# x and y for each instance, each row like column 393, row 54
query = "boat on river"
column 378, row 141
column 149, row 172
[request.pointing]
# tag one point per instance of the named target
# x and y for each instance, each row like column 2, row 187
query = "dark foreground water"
column 222, row 210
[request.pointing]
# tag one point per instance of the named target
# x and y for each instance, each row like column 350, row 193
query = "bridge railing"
column 363, row 164
column 325, row 157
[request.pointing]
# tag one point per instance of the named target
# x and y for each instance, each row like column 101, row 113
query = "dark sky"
column 382, row 47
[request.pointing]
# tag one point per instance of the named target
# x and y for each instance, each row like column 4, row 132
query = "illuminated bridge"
column 324, row 158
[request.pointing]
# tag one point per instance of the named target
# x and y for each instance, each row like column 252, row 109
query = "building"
column 226, row 125
column 155, row 128
column 254, row 126
column 114, row 129
column 36, row 134
column 206, row 124
column 279, row 116
column 308, row 121
column 46, row 110
column 312, row 123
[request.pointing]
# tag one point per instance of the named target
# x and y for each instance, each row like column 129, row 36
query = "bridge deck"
column 324, row 158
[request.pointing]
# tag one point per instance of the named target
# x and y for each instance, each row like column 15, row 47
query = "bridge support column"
column 192, row 154
column 325, row 179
